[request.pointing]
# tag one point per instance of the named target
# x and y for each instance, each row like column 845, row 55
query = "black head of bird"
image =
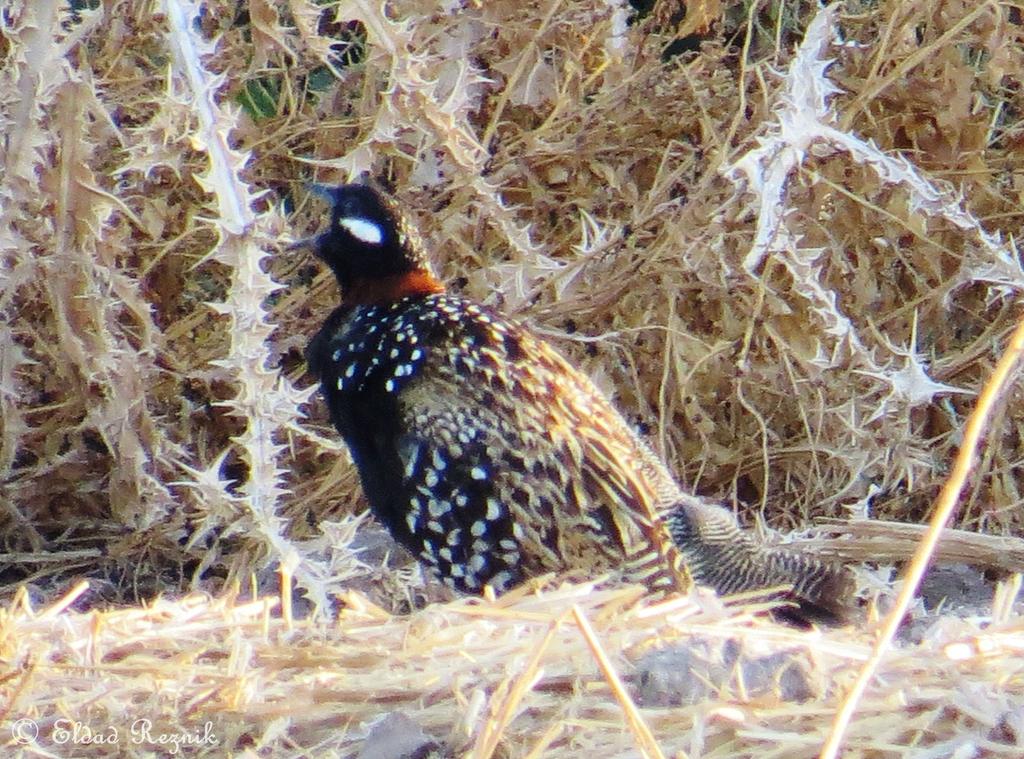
column 368, row 246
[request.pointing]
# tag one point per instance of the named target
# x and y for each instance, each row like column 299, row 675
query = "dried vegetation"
column 786, row 250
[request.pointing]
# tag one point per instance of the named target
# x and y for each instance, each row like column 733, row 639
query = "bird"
column 491, row 458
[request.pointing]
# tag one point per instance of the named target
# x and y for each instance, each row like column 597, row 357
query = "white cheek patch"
column 363, row 230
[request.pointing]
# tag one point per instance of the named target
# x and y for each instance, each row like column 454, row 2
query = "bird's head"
column 374, row 253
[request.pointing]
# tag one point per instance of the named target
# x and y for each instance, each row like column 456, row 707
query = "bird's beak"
column 323, row 191
column 306, row 243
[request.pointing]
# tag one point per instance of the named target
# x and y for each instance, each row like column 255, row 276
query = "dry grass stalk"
column 507, row 697
column 944, row 509
column 789, row 255
column 319, row 688
column 644, row 738
column 867, row 540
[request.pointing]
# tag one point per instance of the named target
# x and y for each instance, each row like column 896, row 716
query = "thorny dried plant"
column 787, row 253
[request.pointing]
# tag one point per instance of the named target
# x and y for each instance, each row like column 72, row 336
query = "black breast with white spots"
column 409, row 385
column 456, row 520
column 379, row 348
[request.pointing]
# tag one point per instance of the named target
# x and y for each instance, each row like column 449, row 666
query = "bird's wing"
column 625, row 485
column 518, row 498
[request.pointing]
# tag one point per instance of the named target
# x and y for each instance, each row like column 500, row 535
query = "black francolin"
column 491, row 458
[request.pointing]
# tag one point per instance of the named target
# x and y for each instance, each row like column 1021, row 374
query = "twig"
column 641, row 732
column 65, row 601
column 504, row 711
column 943, row 510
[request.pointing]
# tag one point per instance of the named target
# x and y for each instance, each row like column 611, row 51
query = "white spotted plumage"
column 483, row 450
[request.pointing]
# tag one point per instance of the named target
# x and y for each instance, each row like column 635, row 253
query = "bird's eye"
column 363, row 230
